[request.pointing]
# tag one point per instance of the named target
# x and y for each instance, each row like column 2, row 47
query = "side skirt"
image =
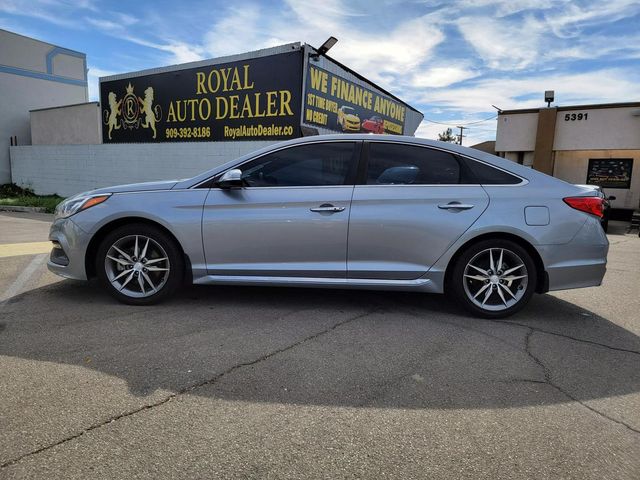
column 421, row 284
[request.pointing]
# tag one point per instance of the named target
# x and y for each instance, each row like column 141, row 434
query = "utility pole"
column 461, row 135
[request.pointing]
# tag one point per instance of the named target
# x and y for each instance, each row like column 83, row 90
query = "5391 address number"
column 572, row 117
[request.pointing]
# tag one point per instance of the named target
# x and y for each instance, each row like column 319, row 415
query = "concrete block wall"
column 69, row 169
column 69, row 125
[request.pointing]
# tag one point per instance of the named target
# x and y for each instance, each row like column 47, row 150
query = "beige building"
column 34, row 74
column 595, row 144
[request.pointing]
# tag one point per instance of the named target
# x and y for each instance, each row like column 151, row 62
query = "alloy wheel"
column 137, row 266
column 495, row 279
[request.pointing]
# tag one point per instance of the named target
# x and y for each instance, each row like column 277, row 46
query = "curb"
column 17, row 208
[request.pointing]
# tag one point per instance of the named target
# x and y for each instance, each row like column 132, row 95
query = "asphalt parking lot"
column 296, row 383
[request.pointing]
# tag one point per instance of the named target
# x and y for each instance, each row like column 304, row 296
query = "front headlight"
column 78, row 203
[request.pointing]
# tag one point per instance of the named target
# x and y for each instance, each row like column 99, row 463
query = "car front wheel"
column 139, row 264
column 494, row 278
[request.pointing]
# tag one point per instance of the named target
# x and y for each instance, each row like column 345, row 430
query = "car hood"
column 138, row 187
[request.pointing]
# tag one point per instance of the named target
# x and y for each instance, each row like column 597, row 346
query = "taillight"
column 592, row 205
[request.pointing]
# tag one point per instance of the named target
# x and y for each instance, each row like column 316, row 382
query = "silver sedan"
column 341, row 211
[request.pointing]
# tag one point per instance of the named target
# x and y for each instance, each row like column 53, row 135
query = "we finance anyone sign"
column 335, row 103
column 254, row 99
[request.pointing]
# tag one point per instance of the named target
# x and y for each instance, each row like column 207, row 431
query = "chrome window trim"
column 431, row 185
column 294, row 186
column 277, row 150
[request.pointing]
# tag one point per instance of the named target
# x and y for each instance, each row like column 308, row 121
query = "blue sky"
column 449, row 59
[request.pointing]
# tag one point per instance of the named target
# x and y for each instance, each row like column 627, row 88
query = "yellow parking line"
column 32, row 248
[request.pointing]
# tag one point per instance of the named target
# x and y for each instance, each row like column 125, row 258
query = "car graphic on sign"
column 348, row 119
column 374, row 124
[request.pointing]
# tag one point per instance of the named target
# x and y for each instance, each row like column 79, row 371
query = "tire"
column 468, row 280
column 152, row 278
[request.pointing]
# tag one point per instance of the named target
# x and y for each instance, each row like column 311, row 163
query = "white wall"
column 27, row 84
column 70, row 169
column 71, row 125
column 606, row 128
column 516, row 132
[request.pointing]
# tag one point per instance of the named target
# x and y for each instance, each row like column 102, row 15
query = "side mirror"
column 230, row 179
column 612, row 197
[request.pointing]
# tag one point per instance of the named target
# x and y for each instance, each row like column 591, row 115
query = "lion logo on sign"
column 151, row 114
column 111, row 117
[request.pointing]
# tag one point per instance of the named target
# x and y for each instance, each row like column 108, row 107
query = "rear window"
column 488, row 175
column 398, row 164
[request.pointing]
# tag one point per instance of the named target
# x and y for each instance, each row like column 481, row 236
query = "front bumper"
column 74, row 242
column 351, row 126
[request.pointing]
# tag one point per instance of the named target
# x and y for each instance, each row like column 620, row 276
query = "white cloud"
column 181, row 52
column 504, row 8
column 57, row 12
column 542, row 32
column 607, row 85
column 568, row 21
column 503, row 45
column 381, row 58
column 438, row 77
column 398, row 52
column 239, row 31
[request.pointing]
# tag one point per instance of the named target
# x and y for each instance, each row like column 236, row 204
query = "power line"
column 464, row 125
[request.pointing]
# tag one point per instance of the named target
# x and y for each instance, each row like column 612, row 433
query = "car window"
column 396, row 164
column 487, row 175
column 302, row 166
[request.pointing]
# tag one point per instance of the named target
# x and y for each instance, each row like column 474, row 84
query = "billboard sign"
column 335, row 103
column 254, row 99
column 610, row 172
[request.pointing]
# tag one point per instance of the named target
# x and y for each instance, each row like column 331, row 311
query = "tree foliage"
column 448, row 136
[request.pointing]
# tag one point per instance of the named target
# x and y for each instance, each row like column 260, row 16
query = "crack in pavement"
column 516, row 324
column 189, row 388
column 547, row 373
column 549, row 381
column 568, row 337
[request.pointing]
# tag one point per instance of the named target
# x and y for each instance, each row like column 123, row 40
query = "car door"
column 409, row 208
column 290, row 219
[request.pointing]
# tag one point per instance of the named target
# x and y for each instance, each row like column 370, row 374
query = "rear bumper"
column 580, row 263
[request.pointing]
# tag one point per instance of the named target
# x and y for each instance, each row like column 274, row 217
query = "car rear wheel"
column 139, row 264
column 494, row 278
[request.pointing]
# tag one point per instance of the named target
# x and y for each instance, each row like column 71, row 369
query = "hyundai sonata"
column 341, row 211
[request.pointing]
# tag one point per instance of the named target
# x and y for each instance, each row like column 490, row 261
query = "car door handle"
column 327, row 208
column 456, row 206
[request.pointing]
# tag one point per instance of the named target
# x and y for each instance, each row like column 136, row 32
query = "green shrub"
column 13, row 190
column 12, row 194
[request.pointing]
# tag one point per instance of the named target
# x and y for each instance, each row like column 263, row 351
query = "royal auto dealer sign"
column 256, row 99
